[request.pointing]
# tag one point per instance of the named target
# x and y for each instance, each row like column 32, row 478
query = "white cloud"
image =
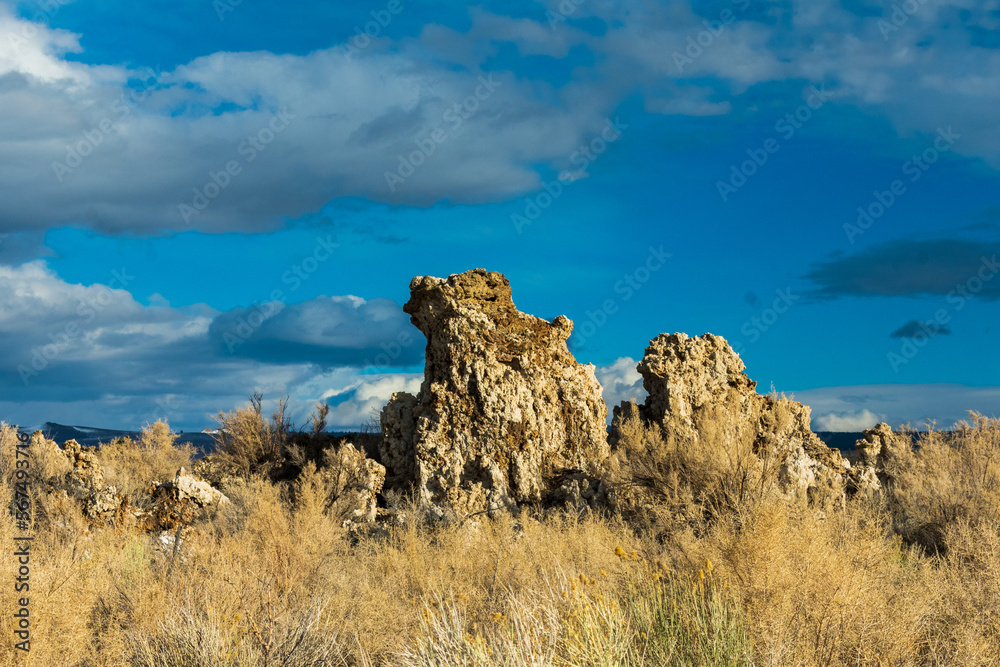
column 363, row 400
column 897, row 404
column 858, row 420
column 36, row 50
column 620, row 382
column 338, row 330
column 348, row 123
column 354, row 117
column 87, row 353
column 924, row 76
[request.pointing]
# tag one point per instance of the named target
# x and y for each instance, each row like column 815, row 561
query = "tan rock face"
column 104, row 505
column 504, row 408
column 398, row 436
column 86, row 469
column 178, row 501
column 185, row 487
column 882, row 454
column 358, row 480
column 81, row 470
column 685, row 376
column 697, row 389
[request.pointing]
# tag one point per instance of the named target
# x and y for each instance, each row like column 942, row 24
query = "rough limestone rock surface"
column 399, row 427
column 697, row 388
column 358, row 481
column 177, row 502
column 105, row 505
column 86, row 469
column 505, row 412
column 881, row 454
column 185, row 487
column 79, row 469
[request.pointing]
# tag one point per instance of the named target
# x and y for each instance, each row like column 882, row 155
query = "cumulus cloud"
column 59, row 335
column 855, row 421
column 338, row 330
column 120, row 149
column 896, row 404
column 33, row 49
column 362, row 401
column 620, row 382
column 921, row 75
column 73, row 353
column 208, row 144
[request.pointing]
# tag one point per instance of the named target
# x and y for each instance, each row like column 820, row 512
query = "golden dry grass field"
column 708, row 573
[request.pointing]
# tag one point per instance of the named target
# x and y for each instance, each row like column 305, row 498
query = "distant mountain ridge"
column 91, row 437
column 204, row 443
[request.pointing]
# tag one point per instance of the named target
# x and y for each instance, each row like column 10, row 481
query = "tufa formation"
column 697, row 390
column 505, row 414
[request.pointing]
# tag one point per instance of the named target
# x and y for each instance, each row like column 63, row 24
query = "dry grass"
column 132, row 466
column 249, row 442
column 953, row 479
column 665, row 483
column 273, row 579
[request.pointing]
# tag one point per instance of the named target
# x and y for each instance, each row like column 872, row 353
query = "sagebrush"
column 702, row 567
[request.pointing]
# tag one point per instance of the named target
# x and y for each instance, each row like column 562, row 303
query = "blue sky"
column 204, row 199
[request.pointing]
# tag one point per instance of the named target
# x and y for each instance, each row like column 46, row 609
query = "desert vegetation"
column 697, row 565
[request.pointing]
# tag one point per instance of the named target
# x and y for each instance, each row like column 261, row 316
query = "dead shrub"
column 249, row 442
column 46, row 461
column 296, row 634
column 132, row 466
column 690, row 481
column 950, row 478
column 270, row 578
